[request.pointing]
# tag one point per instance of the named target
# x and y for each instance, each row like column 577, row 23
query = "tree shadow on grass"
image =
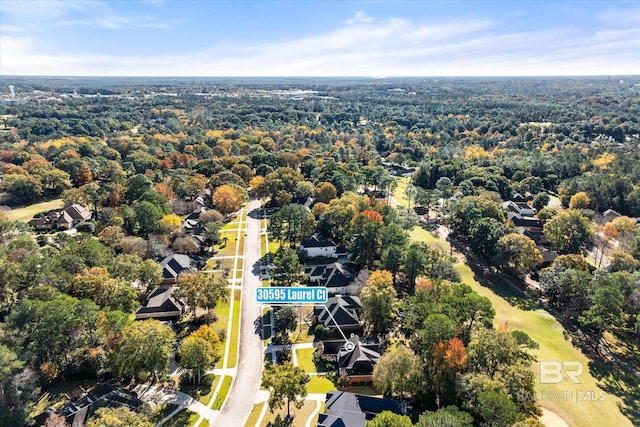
column 621, row 383
column 281, row 422
column 180, row 419
column 501, row 287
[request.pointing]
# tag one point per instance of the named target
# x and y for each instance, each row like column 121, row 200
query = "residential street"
column 247, row 382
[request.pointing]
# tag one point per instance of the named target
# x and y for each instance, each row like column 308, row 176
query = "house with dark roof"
column 61, row 219
column 162, row 305
column 356, row 361
column 520, row 208
column 344, row 409
column 337, row 276
column 315, row 247
column 609, row 215
column 339, row 312
column 173, row 266
column 78, row 412
column 523, row 221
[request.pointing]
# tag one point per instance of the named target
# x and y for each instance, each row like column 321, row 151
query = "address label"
column 291, row 295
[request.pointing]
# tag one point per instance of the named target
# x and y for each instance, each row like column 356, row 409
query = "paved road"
column 239, row 403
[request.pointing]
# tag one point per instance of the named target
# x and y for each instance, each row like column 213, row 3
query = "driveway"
column 239, row 402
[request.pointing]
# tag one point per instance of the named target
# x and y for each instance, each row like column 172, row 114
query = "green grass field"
column 235, row 331
column 319, row 384
column 26, row 213
column 419, row 234
column 304, row 359
column 301, row 334
column 254, row 415
column 222, row 394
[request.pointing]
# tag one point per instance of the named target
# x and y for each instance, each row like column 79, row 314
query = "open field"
column 26, row 213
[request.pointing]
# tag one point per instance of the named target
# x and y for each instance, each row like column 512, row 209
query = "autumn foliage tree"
column 379, row 300
column 227, row 199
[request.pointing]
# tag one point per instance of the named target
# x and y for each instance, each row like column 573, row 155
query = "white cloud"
column 365, row 46
column 32, row 14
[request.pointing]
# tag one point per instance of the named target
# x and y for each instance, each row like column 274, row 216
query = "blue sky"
column 319, row 38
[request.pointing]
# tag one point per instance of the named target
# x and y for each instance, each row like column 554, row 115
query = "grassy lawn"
column 301, row 334
column 235, row 331
column 228, row 249
column 26, row 213
column 419, row 234
column 398, row 194
column 222, row 394
column 254, row 415
column 191, row 421
column 222, row 311
column 162, row 411
column 301, row 415
column 204, row 399
column 319, row 384
column 220, row 264
column 304, row 359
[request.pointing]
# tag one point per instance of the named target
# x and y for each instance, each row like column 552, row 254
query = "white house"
column 316, row 248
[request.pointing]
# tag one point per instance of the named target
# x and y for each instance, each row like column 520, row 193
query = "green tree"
column 118, row 417
column 493, row 351
column 390, row 419
column 287, row 269
column 285, row 319
column 398, row 373
column 291, row 223
column 450, row 416
column 53, row 326
column 196, row 355
column 518, row 253
column 325, row 192
column 414, row 262
column 497, row 410
column 569, row 232
column 9, row 366
column 25, row 188
column 202, row 289
column 606, row 305
column 144, row 349
column 147, row 216
column 379, row 300
column 285, row 381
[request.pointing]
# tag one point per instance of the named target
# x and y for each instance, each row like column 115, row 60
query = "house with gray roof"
column 175, row 265
column 162, row 305
column 344, row 409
